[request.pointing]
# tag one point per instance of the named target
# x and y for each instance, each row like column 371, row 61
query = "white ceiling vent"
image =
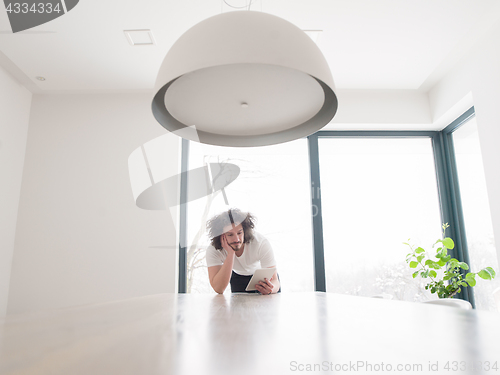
column 140, row 37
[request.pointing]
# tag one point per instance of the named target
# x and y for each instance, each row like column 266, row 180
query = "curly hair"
column 216, row 225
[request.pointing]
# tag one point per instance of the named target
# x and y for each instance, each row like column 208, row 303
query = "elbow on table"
column 219, row 290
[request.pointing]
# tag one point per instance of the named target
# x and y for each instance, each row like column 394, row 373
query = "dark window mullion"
column 316, row 213
column 459, row 235
column 449, row 200
column 182, row 287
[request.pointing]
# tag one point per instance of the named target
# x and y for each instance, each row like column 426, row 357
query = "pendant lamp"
column 244, row 78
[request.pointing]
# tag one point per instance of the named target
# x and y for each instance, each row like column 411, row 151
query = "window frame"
column 457, row 215
column 319, row 259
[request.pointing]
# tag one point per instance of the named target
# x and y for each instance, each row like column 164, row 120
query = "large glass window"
column 376, row 193
column 274, row 186
column 476, row 211
column 378, row 189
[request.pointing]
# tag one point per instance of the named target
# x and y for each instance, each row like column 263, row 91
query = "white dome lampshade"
column 245, row 78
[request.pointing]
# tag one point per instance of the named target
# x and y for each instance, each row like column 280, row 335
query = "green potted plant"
column 444, row 272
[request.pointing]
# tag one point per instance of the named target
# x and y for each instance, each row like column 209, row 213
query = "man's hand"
column 220, row 276
column 264, row 287
column 225, row 245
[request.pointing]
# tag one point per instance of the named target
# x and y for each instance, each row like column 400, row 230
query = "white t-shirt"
column 256, row 254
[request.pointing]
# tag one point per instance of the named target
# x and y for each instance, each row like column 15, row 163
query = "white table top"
column 238, row 334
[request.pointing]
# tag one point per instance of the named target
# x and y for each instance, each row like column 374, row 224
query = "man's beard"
column 236, row 246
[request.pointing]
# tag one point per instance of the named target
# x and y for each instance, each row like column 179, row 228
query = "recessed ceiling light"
column 140, row 37
column 40, row 78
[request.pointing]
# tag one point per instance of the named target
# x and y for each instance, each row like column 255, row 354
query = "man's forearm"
column 222, row 278
column 276, row 285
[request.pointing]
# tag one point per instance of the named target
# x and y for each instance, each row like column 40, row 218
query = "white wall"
column 382, row 110
column 80, row 238
column 15, row 102
column 478, row 76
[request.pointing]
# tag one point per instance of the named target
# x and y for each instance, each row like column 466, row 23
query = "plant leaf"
column 431, row 264
column 448, row 242
column 419, row 250
column 463, row 265
column 492, row 272
column 432, row 273
column 485, row 274
column 413, row 264
column 470, row 275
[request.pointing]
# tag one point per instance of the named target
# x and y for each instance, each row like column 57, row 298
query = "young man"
column 236, row 251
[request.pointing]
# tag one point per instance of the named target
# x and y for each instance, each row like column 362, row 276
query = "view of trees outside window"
column 376, row 194
column 274, row 186
column 477, row 217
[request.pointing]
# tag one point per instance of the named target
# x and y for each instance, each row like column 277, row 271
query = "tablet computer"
column 260, row 275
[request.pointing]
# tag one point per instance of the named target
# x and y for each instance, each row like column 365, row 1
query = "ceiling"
column 369, row 44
